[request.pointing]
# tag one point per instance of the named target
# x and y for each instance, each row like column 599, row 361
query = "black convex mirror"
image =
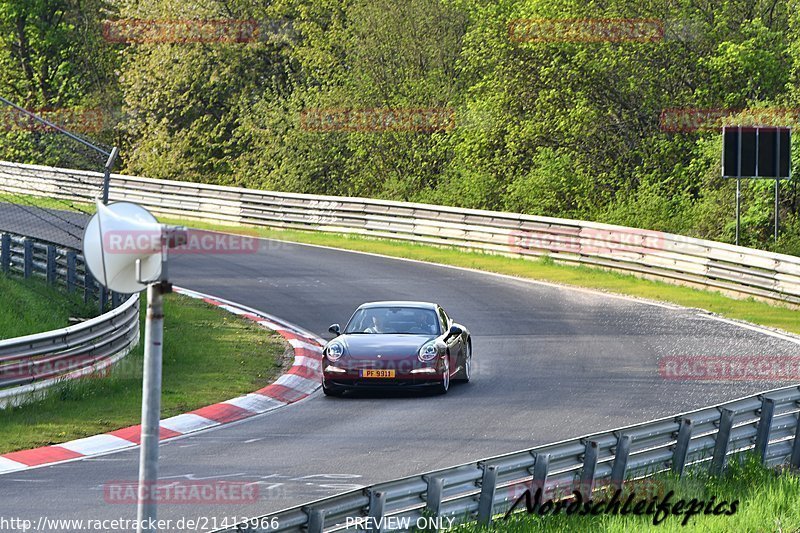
column 454, row 331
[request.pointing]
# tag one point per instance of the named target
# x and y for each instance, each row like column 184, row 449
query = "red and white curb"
column 300, row 381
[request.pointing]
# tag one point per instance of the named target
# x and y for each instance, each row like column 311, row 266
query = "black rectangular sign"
column 749, row 152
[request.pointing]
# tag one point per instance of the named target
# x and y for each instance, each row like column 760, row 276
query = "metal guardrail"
column 648, row 253
column 32, row 363
column 765, row 424
column 58, row 265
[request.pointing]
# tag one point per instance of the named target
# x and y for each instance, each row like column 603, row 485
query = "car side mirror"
column 335, row 329
column 454, row 330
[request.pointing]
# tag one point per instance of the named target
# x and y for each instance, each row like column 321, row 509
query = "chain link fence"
column 53, row 138
column 41, row 234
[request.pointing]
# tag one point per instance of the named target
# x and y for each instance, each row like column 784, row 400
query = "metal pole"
column 106, row 182
column 51, row 125
column 107, row 173
column 488, row 490
column 682, row 446
column 738, row 180
column 5, row 252
column 620, row 467
column 777, row 193
column 720, row 457
column 151, row 405
column 589, row 469
column 764, row 428
column 738, row 193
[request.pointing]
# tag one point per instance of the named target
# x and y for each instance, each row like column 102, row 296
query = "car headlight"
column 335, row 351
column 429, row 351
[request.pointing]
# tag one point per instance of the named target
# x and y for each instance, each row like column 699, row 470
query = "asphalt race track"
column 54, row 225
column 550, row 363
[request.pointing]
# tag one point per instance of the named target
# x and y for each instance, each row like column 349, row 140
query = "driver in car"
column 426, row 323
column 377, row 325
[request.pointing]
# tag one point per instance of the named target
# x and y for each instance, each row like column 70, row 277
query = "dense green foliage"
column 567, row 129
column 54, row 61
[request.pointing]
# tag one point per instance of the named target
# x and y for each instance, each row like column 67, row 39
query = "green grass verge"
column 544, row 269
column 31, row 306
column 209, row 356
column 45, row 202
column 767, row 501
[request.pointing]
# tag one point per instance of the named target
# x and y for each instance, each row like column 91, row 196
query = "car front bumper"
column 343, row 377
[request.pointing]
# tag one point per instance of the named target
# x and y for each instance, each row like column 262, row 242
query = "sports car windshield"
column 394, row 320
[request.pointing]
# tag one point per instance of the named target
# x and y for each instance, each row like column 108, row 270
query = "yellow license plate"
column 377, row 374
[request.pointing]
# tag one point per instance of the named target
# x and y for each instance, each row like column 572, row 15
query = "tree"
column 54, row 61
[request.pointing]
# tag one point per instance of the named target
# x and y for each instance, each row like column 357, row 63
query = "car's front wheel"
column 444, row 385
column 465, row 373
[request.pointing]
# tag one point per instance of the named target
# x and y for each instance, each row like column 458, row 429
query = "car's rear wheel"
column 465, row 373
column 444, row 384
column 331, row 391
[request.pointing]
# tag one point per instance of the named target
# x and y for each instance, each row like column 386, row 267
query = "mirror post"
column 130, row 217
column 107, row 173
column 151, row 405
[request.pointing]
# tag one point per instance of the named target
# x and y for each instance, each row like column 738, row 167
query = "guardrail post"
column 764, row 427
column 52, row 266
column 88, row 287
column 377, row 502
column 620, row 467
column 433, row 502
column 795, row 458
column 72, row 270
column 588, row 470
column 102, row 298
column 682, row 446
column 27, row 258
column 5, row 251
column 488, row 489
column 540, row 469
column 719, row 459
column 316, row 520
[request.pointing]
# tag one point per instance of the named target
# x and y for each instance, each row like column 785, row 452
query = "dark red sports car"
column 396, row 344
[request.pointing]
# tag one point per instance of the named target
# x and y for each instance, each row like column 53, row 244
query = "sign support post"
column 738, row 203
column 151, row 404
column 131, row 271
column 777, row 197
column 757, row 152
